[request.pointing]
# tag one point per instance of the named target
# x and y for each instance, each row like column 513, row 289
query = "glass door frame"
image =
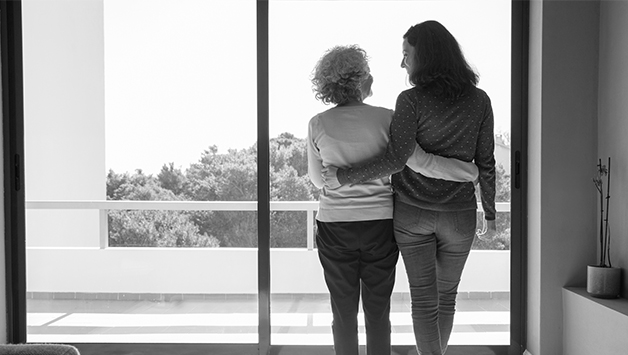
column 519, row 165
column 15, row 234
column 13, row 148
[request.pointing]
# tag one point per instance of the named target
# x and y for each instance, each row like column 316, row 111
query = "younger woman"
column 434, row 220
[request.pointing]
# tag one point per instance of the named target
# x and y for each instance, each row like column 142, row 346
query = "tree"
column 150, row 228
column 156, row 229
column 171, row 179
column 289, row 228
column 225, row 177
column 289, row 182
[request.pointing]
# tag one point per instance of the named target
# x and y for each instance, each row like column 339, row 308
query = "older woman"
column 355, row 238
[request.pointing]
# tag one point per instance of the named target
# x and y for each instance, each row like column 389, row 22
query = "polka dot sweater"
column 461, row 129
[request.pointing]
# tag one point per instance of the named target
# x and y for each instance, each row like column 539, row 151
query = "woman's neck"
column 351, row 103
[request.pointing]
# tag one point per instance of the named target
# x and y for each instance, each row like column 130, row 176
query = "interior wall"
column 535, row 144
column 562, row 155
column 613, row 123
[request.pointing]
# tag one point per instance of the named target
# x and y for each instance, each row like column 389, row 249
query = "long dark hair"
column 440, row 65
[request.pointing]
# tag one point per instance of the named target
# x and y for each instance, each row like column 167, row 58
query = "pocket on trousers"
column 466, row 222
column 406, row 217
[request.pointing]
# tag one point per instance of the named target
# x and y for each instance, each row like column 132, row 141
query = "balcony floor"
column 295, row 319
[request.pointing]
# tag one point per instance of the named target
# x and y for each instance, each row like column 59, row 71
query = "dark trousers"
column 359, row 257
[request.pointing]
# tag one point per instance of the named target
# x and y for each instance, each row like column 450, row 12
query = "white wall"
column 599, row 326
column 64, row 114
column 214, row 271
column 562, row 156
column 594, row 326
column 613, row 122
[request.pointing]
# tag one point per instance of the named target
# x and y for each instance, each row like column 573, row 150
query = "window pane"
column 146, row 109
column 300, row 32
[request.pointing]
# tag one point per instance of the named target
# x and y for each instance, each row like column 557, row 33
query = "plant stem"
column 608, row 197
column 601, row 190
column 602, row 246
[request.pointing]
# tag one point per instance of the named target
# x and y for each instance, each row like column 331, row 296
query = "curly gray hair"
column 339, row 74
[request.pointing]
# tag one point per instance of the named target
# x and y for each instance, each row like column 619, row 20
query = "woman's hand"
column 330, row 177
column 489, row 232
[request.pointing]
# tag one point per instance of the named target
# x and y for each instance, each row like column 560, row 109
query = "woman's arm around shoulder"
column 401, row 144
column 438, row 167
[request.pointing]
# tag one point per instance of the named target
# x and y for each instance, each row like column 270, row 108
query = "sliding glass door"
column 299, row 34
column 166, row 203
column 141, row 190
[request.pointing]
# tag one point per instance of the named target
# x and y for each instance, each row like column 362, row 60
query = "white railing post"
column 104, row 229
column 310, row 229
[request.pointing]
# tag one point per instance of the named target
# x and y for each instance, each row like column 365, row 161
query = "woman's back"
column 461, row 129
column 343, row 136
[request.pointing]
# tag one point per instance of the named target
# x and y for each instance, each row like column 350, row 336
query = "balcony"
column 85, row 291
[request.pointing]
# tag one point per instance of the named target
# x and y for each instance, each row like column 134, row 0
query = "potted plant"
column 604, row 280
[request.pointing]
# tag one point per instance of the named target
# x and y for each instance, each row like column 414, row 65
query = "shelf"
column 593, row 325
column 618, row 304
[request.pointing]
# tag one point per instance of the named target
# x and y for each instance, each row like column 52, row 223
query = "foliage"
column 156, row 229
column 172, row 179
column 232, row 176
column 150, row 228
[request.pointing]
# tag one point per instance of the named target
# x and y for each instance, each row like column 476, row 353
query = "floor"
column 295, row 320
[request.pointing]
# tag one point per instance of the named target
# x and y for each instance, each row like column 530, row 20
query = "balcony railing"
column 107, row 269
column 103, row 206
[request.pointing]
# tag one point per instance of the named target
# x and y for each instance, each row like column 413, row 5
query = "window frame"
column 13, row 169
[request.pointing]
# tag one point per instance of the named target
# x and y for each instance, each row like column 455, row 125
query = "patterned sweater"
column 461, row 129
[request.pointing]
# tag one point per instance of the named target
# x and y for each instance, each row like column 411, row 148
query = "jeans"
column 359, row 258
column 434, row 247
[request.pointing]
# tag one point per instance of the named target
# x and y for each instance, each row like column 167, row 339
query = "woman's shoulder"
column 330, row 112
column 409, row 95
column 315, row 121
column 378, row 109
column 476, row 92
column 411, row 92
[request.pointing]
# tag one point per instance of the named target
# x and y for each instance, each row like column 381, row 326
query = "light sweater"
column 348, row 135
column 342, row 136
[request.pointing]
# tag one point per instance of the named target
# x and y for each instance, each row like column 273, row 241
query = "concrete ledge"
column 217, row 271
column 593, row 325
column 173, row 297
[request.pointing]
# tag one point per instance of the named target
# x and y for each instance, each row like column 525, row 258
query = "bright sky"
column 179, row 78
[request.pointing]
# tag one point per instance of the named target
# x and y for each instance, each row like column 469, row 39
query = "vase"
column 603, row 282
